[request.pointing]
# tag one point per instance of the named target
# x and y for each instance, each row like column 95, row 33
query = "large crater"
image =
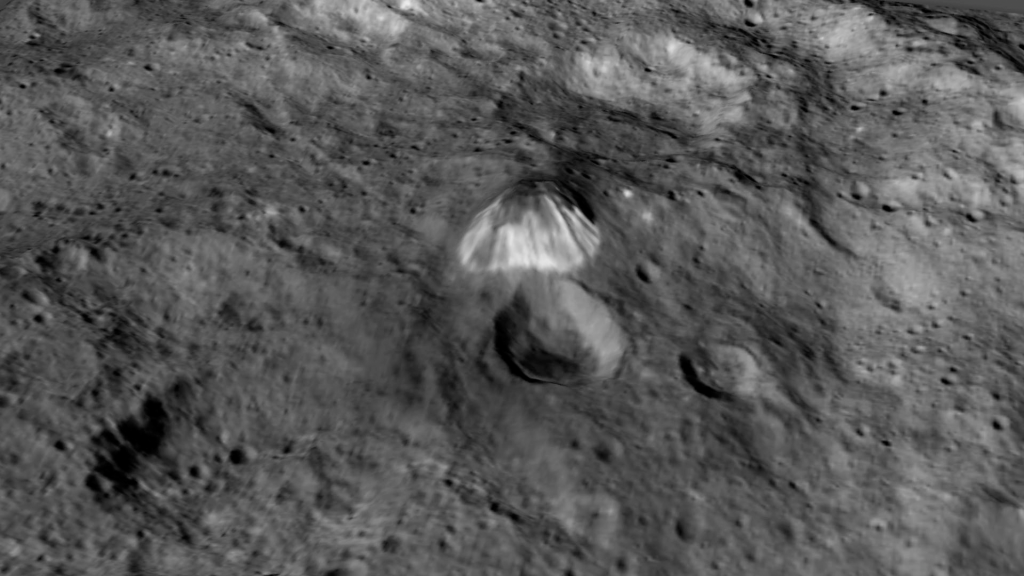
column 554, row 331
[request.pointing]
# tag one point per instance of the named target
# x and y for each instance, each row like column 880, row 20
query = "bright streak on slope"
column 541, row 232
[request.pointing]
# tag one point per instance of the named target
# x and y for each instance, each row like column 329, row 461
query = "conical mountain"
column 531, row 226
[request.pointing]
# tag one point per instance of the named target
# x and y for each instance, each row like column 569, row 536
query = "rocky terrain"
column 262, row 312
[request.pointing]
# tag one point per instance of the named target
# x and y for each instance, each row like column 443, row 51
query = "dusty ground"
column 233, row 339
